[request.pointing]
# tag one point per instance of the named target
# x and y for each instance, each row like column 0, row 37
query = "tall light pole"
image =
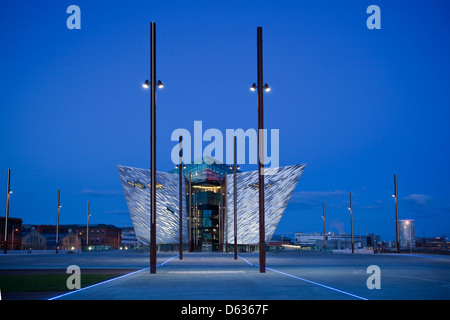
column 220, row 249
column 235, row 167
column 324, row 234
column 8, row 194
column 195, row 222
column 181, row 197
column 225, row 214
column 395, row 195
column 152, row 84
column 259, row 85
column 153, row 148
column 87, row 225
column 235, row 202
column 351, row 220
column 190, row 214
column 57, row 221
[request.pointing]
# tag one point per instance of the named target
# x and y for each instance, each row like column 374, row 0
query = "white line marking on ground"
column 109, row 280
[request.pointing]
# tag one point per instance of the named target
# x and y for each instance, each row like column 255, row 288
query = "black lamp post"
column 225, row 214
column 235, row 167
column 87, row 225
column 395, row 195
column 190, row 214
column 351, row 221
column 324, row 235
column 181, row 193
column 8, row 195
column 152, row 84
column 57, row 221
column 260, row 87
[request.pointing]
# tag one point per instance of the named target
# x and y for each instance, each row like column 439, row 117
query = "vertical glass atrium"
column 206, row 197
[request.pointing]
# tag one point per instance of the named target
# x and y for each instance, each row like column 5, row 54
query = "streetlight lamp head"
column 146, row 84
column 238, row 167
column 160, row 84
column 266, row 87
column 253, row 87
column 10, row 192
column 393, row 196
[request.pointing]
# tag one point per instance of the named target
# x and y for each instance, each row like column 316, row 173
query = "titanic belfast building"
column 207, row 203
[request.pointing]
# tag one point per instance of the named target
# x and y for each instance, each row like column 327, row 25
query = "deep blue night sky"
column 356, row 105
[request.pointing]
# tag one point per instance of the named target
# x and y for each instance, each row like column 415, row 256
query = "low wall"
column 53, row 251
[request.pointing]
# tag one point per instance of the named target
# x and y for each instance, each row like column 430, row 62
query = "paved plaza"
column 290, row 275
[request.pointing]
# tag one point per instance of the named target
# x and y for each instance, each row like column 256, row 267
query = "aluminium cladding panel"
column 279, row 186
column 135, row 183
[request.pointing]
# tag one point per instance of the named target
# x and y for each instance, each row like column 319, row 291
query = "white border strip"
column 309, row 281
column 109, row 280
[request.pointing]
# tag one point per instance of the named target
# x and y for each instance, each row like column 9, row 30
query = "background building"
column 433, row 245
column 71, row 241
column 336, row 241
column 280, row 240
column 33, row 240
column 407, row 237
column 13, row 233
column 101, row 236
column 129, row 240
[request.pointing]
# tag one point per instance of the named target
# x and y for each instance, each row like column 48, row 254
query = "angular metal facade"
column 136, row 187
column 279, row 186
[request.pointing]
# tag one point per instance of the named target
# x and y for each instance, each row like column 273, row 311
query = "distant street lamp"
column 324, row 235
column 395, row 195
column 180, row 167
column 57, row 222
column 87, row 226
column 235, row 167
column 8, row 195
column 351, row 220
column 221, row 227
column 225, row 214
column 190, row 213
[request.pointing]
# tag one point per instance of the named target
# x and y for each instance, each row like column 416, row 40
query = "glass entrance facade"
column 206, row 198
